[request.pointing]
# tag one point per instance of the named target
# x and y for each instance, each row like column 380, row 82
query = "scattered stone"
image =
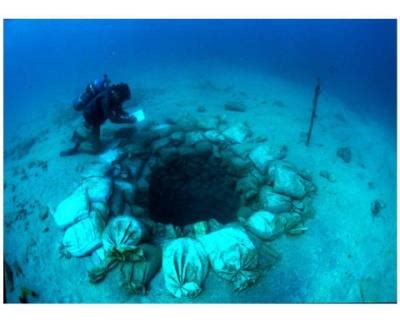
column 327, row 175
column 43, row 212
column 235, row 106
column 345, row 154
column 278, row 103
column 201, row 109
column 376, row 207
column 237, row 133
column 274, row 202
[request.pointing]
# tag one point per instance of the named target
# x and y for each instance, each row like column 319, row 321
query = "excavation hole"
column 191, row 189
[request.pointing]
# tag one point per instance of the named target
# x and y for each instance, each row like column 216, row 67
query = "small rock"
column 235, row 106
column 376, row 207
column 327, row 175
column 345, row 154
column 201, row 109
column 43, row 212
column 371, row 185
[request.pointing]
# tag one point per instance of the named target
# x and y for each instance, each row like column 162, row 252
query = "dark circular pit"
column 191, row 189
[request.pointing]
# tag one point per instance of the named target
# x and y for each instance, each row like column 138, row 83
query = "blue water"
column 47, row 64
column 355, row 59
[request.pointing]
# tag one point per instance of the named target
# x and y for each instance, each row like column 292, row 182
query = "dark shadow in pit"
column 192, row 189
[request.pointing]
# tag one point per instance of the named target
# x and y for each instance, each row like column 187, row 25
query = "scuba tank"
column 91, row 91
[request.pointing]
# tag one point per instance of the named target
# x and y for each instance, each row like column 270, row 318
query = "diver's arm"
column 120, row 116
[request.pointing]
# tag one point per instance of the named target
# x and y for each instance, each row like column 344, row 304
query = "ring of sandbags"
column 269, row 197
column 248, row 165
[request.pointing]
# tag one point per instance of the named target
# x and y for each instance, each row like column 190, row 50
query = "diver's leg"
column 92, row 142
column 70, row 151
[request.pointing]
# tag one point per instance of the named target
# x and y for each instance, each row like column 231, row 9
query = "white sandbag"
column 185, row 266
column 102, row 209
column 274, row 202
column 287, row 181
column 264, row 154
column 128, row 189
column 232, row 256
column 98, row 188
column 95, row 169
column 122, row 234
column 72, row 209
column 265, row 225
column 237, row 133
column 84, row 237
column 137, row 274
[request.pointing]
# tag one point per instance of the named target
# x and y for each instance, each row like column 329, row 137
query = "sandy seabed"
column 347, row 254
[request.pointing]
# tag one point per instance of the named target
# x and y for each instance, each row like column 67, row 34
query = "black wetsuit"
column 105, row 106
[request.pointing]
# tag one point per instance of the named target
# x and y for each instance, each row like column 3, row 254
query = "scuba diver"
column 100, row 102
